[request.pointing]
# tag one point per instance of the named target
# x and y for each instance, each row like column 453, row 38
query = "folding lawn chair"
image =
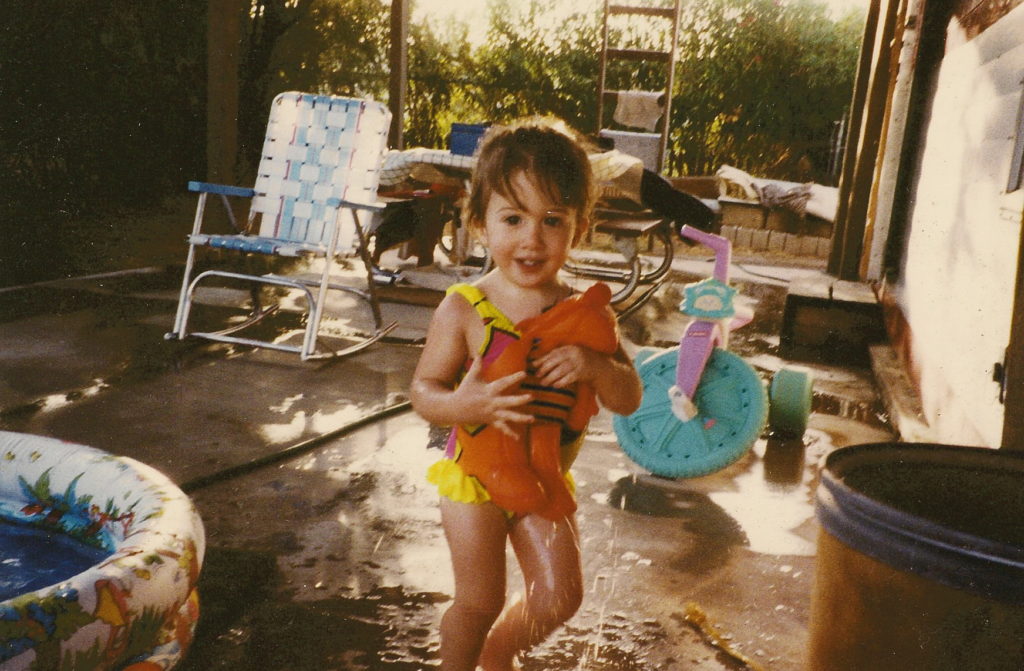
column 315, row 192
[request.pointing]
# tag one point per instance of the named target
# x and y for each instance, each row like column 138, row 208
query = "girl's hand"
column 494, row 402
column 612, row 376
column 564, row 366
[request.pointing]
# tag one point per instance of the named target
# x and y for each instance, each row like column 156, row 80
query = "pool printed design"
column 135, row 610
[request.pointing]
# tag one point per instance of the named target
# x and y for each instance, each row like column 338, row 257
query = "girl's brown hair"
column 545, row 149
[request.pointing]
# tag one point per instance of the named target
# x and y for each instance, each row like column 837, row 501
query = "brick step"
column 832, row 321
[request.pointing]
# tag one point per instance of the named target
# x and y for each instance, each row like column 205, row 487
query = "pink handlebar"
column 701, row 337
column 721, row 246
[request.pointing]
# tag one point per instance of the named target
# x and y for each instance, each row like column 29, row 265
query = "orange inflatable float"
column 525, row 475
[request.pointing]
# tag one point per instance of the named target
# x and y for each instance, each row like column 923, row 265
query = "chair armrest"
column 221, row 189
column 339, row 202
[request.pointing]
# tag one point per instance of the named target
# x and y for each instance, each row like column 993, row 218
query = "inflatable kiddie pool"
column 136, row 608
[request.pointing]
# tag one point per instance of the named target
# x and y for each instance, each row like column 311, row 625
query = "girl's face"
column 529, row 240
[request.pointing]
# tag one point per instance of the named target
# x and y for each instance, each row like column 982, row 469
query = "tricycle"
column 704, row 406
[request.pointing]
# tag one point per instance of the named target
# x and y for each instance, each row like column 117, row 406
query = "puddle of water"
column 616, row 643
column 717, row 533
column 51, row 403
column 763, row 509
column 385, row 506
column 871, row 412
column 286, row 404
column 303, row 423
column 248, row 623
column 360, row 625
column 774, row 497
column 123, row 332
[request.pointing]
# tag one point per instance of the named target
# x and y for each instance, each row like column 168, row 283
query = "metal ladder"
column 619, row 16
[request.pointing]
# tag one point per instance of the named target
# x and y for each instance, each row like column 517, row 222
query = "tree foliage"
column 437, row 95
column 529, row 66
column 104, row 101
column 322, row 46
column 526, row 66
column 760, row 86
column 103, row 105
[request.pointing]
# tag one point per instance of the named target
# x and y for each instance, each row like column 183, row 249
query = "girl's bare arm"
column 434, row 393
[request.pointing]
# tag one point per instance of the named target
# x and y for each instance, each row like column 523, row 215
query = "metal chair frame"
column 321, row 160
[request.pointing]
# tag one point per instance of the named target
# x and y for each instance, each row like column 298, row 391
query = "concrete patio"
column 324, row 545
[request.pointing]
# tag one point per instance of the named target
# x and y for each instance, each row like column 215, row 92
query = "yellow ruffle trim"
column 453, row 483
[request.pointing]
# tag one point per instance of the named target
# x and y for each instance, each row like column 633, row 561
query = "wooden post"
column 853, row 134
column 1013, row 392
column 398, row 58
column 223, row 37
column 848, row 242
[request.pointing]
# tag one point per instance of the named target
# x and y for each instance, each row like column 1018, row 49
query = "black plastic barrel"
column 920, row 561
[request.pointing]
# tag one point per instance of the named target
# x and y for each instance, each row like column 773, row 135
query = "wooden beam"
column 853, row 133
column 1013, row 366
column 223, row 39
column 849, row 242
column 398, row 59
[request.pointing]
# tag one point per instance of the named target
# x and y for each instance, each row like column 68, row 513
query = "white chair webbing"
column 318, row 148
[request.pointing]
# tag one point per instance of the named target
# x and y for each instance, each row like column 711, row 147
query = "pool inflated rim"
column 137, row 605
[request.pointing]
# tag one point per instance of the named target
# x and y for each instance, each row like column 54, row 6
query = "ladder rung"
column 638, row 135
column 667, row 12
column 640, row 55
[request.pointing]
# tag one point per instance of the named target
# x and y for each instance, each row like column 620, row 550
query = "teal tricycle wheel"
column 732, row 408
column 790, row 395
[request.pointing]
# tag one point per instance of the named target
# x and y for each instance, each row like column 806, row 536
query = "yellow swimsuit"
column 446, row 473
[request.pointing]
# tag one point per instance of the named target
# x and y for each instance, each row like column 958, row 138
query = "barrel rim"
column 913, row 543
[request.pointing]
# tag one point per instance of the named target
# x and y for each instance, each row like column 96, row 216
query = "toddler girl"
column 529, row 202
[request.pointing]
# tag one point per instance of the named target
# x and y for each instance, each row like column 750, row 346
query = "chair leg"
column 316, row 308
column 371, row 285
column 316, row 300
column 311, row 336
column 184, row 297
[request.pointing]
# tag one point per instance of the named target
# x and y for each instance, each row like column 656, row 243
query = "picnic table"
column 617, row 174
column 424, row 187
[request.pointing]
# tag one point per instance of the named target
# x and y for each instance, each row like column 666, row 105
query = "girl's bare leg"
column 476, row 535
column 549, row 556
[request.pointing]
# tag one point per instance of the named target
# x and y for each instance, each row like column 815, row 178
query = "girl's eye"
column 554, row 222
column 512, row 219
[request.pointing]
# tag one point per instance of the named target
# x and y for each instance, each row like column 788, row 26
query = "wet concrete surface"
column 324, row 544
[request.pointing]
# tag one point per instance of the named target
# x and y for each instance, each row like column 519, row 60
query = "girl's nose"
column 535, row 233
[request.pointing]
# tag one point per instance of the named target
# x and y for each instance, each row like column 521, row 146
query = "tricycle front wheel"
column 732, row 406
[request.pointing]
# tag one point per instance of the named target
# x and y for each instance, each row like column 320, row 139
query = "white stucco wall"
column 956, row 289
